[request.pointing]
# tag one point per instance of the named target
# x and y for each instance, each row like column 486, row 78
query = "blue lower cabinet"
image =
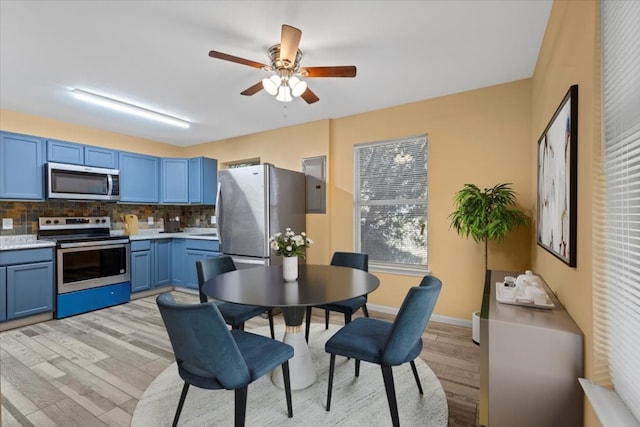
column 29, row 289
column 3, row 294
column 140, row 271
column 178, row 257
column 77, row 302
column 162, row 262
column 190, row 265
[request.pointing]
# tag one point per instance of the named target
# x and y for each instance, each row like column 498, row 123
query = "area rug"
column 355, row 401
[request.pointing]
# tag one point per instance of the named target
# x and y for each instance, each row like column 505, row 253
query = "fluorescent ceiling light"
column 128, row 108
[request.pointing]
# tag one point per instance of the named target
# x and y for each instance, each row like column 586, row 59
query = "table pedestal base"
column 301, row 371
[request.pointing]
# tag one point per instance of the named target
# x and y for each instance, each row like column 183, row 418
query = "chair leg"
column 326, row 319
column 415, row 375
column 270, row 314
column 347, row 318
column 365, row 310
column 308, row 324
column 183, row 395
column 287, row 387
column 241, row 406
column 332, row 365
column 387, row 375
column 357, row 367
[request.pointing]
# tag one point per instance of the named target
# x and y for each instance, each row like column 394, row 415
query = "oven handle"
column 93, row 243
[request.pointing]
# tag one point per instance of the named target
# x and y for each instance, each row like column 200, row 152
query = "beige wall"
column 284, row 147
column 481, row 136
column 569, row 55
column 12, row 121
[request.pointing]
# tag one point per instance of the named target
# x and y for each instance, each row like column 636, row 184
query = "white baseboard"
column 466, row 323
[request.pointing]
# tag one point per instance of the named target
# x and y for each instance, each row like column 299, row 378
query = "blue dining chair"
column 210, row 356
column 385, row 343
column 349, row 306
column 234, row 314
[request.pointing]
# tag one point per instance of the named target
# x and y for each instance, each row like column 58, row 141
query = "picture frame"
column 557, row 181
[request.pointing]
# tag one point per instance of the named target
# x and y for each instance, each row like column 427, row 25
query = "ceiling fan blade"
column 339, row 71
column 238, row 60
column 289, row 42
column 309, row 96
column 253, row 89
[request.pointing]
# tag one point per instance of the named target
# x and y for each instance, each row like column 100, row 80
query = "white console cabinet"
column 530, row 362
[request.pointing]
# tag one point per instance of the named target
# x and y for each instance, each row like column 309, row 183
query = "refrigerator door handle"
column 218, row 213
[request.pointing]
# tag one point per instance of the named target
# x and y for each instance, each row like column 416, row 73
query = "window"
column 391, row 204
column 616, row 278
column 242, row 163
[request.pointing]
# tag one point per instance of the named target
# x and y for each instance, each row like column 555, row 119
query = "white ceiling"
column 155, row 54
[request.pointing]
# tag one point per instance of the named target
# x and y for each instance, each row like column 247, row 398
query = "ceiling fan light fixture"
column 297, row 86
column 284, row 94
column 271, row 84
column 124, row 107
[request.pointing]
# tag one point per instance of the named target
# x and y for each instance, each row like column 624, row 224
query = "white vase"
column 475, row 327
column 290, row 268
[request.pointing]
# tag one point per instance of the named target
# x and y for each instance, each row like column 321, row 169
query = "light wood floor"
column 91, row 369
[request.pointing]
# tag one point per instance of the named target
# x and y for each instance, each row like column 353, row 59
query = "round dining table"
column 316, row 285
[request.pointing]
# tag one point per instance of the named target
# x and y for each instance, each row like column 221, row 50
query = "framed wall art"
column 557, row 181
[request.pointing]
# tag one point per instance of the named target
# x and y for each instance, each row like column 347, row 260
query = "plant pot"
column 475, row 327
column 290, row 268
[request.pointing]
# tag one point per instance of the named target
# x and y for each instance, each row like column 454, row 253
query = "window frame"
column 381, row 266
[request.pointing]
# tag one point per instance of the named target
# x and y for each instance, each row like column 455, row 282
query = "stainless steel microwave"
column 77, row 182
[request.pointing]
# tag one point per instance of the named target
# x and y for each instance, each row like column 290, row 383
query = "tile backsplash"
column 25, row 214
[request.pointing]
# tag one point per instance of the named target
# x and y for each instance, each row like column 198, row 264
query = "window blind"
column 391, row 201
column 617, row 207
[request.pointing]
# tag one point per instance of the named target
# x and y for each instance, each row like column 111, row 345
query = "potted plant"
column 489, row 214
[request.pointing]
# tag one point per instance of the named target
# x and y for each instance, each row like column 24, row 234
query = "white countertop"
column 30, row 241
column 24, row 241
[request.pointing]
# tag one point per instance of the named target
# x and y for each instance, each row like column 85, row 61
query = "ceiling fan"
column 285, row 64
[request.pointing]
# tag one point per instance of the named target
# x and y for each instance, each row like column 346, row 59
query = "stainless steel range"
column 92, row 267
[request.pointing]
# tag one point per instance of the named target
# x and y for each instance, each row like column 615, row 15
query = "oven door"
column 92, row 264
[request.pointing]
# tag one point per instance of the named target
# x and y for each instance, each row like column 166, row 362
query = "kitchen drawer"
column 140, row 245
column 203, row 245
column 92, row 299
column 26, row 256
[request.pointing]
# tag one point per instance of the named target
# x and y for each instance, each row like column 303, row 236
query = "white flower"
column 290, row 244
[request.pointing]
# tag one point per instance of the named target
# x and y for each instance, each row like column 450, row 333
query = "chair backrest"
column 202, row 343
column 411, row 321
column 211, row 267
column 351, row 259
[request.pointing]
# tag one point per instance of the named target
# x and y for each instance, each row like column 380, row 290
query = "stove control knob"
column 48, row 221
column 104, row 221
column 55, row 221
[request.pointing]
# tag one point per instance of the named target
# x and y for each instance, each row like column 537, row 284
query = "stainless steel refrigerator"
column 254, row 203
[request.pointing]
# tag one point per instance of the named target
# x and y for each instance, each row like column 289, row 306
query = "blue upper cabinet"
column 78, row 154
column 140, row 176
column 100, row 157
column 174, row 180
column 21, row 167
column 203, row 181
column 65, row 152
